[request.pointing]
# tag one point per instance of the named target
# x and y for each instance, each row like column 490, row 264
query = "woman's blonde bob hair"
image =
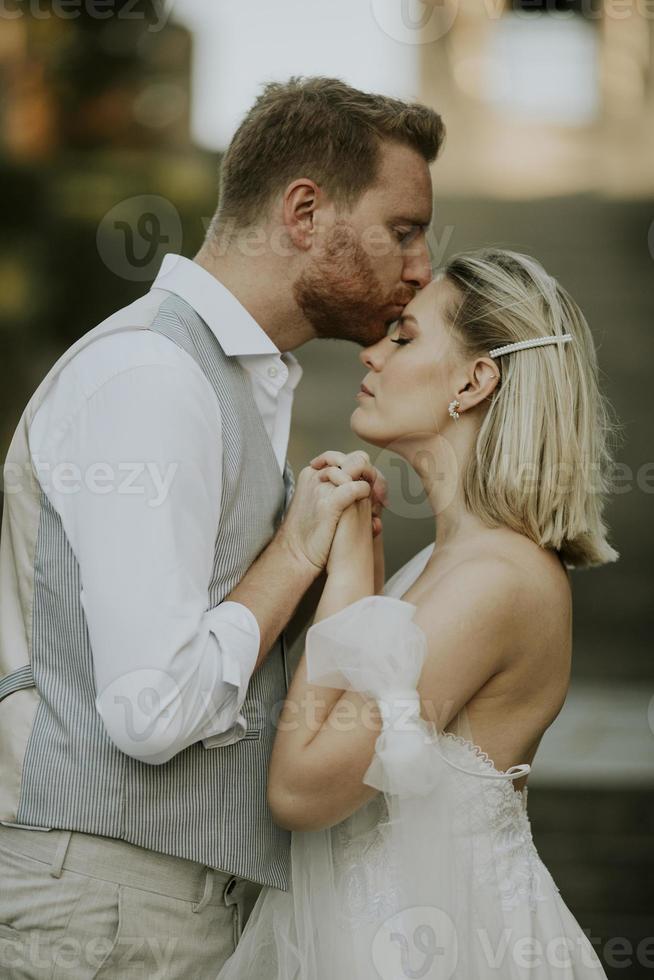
column 542, row 463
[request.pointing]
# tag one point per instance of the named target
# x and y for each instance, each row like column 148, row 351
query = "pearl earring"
column 452, row 408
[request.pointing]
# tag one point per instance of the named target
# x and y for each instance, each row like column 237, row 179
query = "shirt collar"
column 294, row 369
column 237, row 331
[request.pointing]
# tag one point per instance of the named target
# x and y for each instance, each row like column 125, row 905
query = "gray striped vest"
column 58, row 766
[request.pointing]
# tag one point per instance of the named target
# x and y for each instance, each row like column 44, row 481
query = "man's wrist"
column 294, row 560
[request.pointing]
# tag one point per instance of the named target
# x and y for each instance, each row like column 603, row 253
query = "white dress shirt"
column 127, row 446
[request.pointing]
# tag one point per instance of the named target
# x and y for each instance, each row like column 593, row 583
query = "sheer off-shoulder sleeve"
column 374, row 647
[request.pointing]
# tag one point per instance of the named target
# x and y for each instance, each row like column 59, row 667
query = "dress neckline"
column 484, row 758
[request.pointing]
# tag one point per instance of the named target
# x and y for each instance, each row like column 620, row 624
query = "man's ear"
column 481, row 383
column 301, row 198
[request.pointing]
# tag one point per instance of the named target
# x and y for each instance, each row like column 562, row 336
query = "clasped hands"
column 339, row 468
column 336, row 510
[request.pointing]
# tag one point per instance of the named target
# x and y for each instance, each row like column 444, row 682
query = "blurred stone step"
column 597, row 845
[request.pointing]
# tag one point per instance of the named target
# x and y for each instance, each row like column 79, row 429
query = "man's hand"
column 356, row 466
column 298, row 553
column 310, row 524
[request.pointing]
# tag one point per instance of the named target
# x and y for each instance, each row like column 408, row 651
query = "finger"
column 329, row 458
column 350, row 492
column 377, row 527
column 360, row 469
column 364, row 509
column 332, row 474
column 359, row 454
column 380, row 488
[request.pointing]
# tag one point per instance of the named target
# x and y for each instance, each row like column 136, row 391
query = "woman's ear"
column 482, row 382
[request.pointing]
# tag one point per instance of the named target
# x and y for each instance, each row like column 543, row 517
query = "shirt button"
column 272, row 372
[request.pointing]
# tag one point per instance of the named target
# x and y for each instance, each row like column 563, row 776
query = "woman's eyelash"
column 401, row 340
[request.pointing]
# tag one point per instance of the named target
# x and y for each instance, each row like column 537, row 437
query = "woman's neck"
column 440, row 464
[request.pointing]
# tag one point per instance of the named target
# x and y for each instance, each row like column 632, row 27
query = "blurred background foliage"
column 550, row 150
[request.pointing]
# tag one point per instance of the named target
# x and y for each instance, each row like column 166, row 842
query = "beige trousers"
column 81, row 907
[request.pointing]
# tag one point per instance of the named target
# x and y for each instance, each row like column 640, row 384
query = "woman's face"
column 410, row 375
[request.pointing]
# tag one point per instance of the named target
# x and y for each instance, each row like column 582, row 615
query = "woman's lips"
column 364, row 391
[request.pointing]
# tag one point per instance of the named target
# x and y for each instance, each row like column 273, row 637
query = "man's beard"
column 341, row 296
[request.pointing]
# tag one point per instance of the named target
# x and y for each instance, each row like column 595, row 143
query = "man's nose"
column 417, row 267
column 373, row 357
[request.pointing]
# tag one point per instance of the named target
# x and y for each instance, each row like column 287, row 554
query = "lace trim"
column 503, row 856
column 483, row 757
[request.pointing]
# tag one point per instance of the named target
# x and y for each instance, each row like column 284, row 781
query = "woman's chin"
column 358, row 423
column 362, row 427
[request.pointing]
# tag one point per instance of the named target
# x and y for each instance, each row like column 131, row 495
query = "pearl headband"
column 536, row 342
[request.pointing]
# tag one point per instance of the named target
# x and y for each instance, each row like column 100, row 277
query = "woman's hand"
column 351, row 554
column 357, row 466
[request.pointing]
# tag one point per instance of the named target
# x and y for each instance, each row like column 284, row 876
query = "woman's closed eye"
column 401, row 340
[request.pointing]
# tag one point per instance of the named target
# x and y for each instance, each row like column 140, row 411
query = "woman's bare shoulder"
column 538, row 572
column 533, row 632
column 518, row 594
column 541, row 608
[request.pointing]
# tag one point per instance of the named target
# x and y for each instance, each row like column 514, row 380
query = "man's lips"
column 395, row 311
column 399, row 302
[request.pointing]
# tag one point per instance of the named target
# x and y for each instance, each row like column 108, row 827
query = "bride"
column 413, row 719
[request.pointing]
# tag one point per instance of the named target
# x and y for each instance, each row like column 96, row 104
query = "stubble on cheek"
column 340, row 294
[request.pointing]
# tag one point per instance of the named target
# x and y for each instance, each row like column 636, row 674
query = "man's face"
column 373, row 258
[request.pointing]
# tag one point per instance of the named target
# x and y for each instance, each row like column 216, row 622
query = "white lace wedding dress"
column 437, row 877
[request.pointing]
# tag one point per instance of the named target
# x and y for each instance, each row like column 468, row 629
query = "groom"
column 149, row 562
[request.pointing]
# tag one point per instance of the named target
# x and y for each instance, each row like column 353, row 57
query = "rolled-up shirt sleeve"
column 238, row 637
column 135, row 473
